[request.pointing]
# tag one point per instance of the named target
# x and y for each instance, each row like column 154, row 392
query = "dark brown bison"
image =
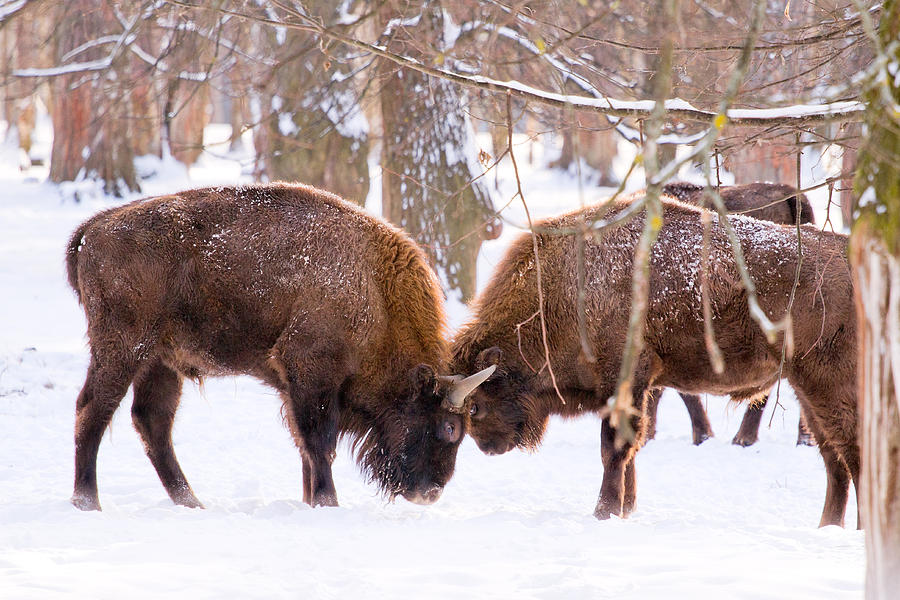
column 774, row 202
column 335, row 309
column 512, row 407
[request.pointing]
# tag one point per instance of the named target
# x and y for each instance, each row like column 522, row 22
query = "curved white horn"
column 466, row 386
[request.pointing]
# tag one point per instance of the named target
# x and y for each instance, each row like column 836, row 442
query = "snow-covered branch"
column 676, row 108
column 10, row 7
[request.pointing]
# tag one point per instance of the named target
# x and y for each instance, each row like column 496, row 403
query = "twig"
column 709, row 334
column 534, row 242
column 787, row 341
column 623, row 407
column 519, row 339
column 677, row 109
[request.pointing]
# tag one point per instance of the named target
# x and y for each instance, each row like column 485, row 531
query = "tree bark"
column 771, row 160
column 91, row 124
column 427, row 184
column 877, row 273
column 875, row 257
column 311, row 128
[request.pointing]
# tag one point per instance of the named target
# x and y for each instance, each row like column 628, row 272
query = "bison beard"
column 335, row 309
column 822, row 369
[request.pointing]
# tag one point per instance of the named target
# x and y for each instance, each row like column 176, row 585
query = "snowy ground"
column 714, row 521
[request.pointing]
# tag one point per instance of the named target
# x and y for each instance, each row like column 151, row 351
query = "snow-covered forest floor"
column 714, row 521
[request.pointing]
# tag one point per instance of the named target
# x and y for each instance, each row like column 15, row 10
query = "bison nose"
column 429, row 496
column 496, row 448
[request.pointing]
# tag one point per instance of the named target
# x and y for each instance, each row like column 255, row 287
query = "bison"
column 771, row 202
column 335, row 309
column 511, row 408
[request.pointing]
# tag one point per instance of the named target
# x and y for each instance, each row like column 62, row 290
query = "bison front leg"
column 618, row 490
column 314, row 416
column 312, row 368
column 307, row 480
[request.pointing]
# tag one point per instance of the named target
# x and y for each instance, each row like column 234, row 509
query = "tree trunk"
column 771, row 160
column 875, row 257
column 852, row 131
column 311, row 128
column 427, row 184
column 91, row 131
column 877, row 272
column 146, row 106
column 188, row 118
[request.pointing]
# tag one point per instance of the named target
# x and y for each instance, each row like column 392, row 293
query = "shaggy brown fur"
column 768, row 201
column 336, row 309
column 511, row 409
column 774, row 202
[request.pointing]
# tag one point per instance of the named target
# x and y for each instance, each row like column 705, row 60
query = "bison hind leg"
column 748, row 432
column 838, row 472
column 104, row 387
column 157, row 391
column 805, row 436
column 701, row 430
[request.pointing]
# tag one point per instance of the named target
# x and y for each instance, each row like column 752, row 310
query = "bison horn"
column 463, row 387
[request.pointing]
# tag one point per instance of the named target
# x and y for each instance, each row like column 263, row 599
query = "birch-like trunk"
column 878, row 307
column 875, row 256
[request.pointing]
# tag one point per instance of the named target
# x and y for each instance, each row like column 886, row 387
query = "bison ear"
column 487, row 357
column 423, row 378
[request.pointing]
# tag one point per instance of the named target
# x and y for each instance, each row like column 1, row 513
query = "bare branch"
column 676, row 109
column 534, row 241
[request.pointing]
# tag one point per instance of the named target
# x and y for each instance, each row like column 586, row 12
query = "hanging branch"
column 676, row 109
column 537, row 258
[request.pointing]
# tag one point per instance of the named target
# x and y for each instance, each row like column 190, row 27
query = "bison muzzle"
column 512, row 407
column 335, row 309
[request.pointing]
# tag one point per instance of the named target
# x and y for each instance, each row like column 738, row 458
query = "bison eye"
column 473, row 410
column 450, row 430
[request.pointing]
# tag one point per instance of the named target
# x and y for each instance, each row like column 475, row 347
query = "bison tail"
column 75, row 243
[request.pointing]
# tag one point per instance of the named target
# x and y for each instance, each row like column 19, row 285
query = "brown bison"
column 513, row 406
column 771, row 202
column 335, row 309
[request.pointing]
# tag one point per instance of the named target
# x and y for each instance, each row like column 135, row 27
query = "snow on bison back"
column 334, row 308
column 512, row 407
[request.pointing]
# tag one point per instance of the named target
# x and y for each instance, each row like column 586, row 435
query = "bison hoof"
column 324, row 500
column 806, row 440
column 85, row 502
column 702, row 437
column 740, row 440
column 603, row 511
column 189, row 502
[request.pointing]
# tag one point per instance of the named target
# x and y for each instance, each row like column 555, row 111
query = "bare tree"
column 429, row 180
column 89, row 108
column 310, row 125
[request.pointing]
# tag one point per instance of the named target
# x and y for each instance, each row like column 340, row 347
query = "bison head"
column 502, row 413
column 411, row 447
